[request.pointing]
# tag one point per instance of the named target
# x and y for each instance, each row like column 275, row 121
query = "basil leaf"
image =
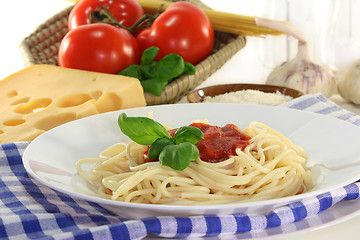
column 157, row 146
column 142, row 130
column 154, row 85
column 170, row 66
column 149, row 55
column 132, row 70
column 189, row 68
column 149, row 70
column 188, row 134
column 178, row 157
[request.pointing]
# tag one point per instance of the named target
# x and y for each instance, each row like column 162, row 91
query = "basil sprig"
column 155, row 75
column 176, row 152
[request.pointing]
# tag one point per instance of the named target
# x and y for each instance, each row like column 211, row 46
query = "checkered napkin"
column 29, row 209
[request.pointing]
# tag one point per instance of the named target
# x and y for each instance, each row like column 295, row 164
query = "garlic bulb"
column 349, row 83
column 300, row 73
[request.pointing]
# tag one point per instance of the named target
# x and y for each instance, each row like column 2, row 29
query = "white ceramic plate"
column 328, row 141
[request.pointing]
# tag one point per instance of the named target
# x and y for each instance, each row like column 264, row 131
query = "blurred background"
column 330, row 26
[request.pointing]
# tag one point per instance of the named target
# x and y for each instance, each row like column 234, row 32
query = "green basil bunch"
column 155, row 75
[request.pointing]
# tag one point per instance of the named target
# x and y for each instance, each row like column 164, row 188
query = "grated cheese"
column 249, row 97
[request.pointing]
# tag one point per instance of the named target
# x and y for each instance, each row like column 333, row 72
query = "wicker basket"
column 41, row 47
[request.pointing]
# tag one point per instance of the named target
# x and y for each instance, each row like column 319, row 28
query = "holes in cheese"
column 12, row 93
column 108, row 102
column 73, row 100
column 96, row 94
column 14, row 122
column 21, row 100
column 42, row 97
column 33, row 106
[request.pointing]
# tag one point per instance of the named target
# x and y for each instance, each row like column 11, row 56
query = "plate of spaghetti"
column 193, row 159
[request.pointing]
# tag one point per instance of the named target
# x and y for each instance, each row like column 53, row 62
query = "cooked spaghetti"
column 269, row 166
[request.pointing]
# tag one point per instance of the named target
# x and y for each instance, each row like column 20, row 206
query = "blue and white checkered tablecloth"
column 30, row 210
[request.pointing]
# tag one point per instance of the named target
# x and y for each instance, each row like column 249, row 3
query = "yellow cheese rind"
column 40, row 97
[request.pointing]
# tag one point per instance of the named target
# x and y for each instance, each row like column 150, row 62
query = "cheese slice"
column 41, row 97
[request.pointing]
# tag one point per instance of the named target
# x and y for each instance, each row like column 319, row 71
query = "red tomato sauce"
column 220, row 142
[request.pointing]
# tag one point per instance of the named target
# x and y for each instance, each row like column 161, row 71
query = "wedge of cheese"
column 41, row 97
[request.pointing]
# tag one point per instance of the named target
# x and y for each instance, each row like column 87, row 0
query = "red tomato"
column 127, row 12
column 98, row 47
column 182, row 28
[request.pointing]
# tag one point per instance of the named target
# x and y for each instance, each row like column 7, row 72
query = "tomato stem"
column 141, row 23
column 102, row 15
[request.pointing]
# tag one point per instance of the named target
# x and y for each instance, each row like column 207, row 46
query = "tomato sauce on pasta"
column 219, row 143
